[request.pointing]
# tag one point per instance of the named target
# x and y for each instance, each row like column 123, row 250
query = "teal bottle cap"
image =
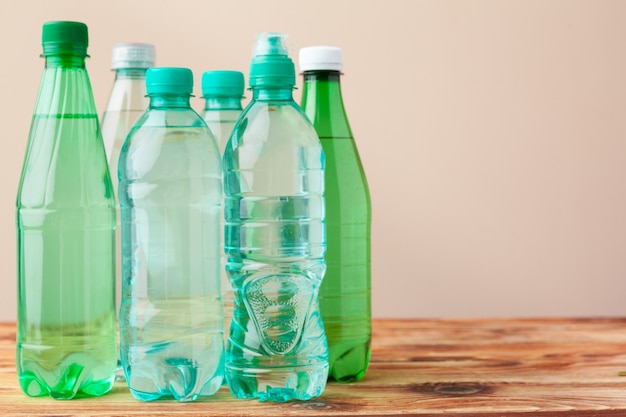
column 271, row 65
column 133, row 55
column 222, row 83
column 328, row 58
column 169, row 80
column 64, row 38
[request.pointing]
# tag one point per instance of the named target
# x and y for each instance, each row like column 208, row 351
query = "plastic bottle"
column 65, row 233
column 275, row 238
column 222, row 92
column 171, row 320
column 127, row 102
column 345, row 295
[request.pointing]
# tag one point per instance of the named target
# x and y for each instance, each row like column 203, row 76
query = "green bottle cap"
column 169, row 80
column 222, row 84
column 271, row 65
column 64, row 38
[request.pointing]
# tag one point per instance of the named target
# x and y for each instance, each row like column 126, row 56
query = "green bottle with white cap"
column 65, row 233
column 345, row 296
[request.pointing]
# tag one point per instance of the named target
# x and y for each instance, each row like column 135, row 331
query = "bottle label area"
column 278, row 305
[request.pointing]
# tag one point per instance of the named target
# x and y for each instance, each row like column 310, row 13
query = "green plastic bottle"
column 345, row 294
column 65, row 233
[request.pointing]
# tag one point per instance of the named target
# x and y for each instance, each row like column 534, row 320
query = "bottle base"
column 180, row 395
column 278, row 384
column 66, row 371
column 348, row 364
column 177, row 378
column 70, row 385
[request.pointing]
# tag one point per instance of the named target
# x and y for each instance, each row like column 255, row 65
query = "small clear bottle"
column 275, row 238
column 65, row 233
column 345, row 295
column 170, row 190
column 222, row 91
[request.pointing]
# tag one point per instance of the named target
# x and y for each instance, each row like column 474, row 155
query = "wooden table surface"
column 486, row 367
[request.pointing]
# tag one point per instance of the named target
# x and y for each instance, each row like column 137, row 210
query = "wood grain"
column 488, row 367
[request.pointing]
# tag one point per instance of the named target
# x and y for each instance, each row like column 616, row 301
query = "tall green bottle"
column 65, row 233
column 345, row 294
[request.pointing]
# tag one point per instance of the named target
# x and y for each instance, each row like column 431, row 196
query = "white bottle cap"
column 133, row 55
column 321, row 58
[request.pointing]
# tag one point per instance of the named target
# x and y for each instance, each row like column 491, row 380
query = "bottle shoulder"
column 127, row 95
column 65, row 91
column 65, row 163
column 157, row 126
column 269, row 122
column 168, row 142
column 171, row 117
column 329, row 121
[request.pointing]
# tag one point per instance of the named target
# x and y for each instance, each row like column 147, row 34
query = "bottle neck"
column 161, row 101
column 272, row 93
column 323, row 103
column 65, row 61
column 130, row 74
column 129, row 91
column 65, row 87
column 222, row 103
column 322, row 85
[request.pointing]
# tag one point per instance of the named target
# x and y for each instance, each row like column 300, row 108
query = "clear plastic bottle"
column 128, row 99
column 171, row 320
column 65, row 233
column 275, row 238
column 127, row 102
column 222, row 92
column 345, row 295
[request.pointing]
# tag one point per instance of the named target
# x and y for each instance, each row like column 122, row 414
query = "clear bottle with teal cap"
column 345, row 295
column 65, row 233
column 275, row 238
column 222, row 91
column 170, row 191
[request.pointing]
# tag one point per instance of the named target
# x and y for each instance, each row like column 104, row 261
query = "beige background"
column 493, row 134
